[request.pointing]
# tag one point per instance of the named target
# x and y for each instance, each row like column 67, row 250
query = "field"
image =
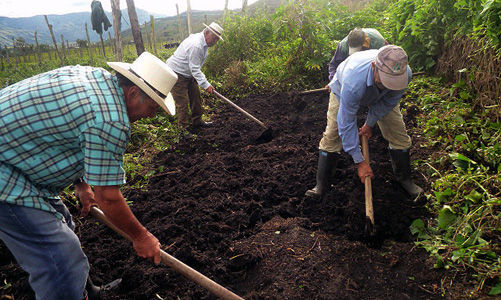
column 236, row 212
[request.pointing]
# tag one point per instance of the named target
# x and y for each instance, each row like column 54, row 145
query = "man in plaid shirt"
column 72, row 125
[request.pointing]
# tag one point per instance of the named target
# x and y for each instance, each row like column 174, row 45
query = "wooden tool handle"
column 174, row 263
column 240, row 109
column 314, row 91
column 365, row 149
column 369, row 210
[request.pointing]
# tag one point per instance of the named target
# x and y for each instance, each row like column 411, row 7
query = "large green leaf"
column 496, row 290
column 446, row 217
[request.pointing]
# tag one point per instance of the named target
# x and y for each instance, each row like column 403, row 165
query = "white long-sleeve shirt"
column 189, row 58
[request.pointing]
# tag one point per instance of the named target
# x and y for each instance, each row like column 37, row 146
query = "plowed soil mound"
column 236, row 212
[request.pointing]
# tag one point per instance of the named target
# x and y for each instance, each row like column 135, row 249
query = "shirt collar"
column 202, row 37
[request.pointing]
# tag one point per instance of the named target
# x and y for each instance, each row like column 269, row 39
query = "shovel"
column 174, row 263
column 370, row 228
column 266, row 136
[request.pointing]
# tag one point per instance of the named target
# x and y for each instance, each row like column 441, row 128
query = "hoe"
column 266, row 136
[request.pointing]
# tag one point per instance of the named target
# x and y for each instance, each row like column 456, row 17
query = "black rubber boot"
column 400, row 162
column 326, row 162
column 95, row 292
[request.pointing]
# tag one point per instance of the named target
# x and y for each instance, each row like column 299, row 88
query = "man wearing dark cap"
column 376, row 79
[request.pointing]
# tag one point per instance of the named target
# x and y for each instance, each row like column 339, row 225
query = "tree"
column 81, row 43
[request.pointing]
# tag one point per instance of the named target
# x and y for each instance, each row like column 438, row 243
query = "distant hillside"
column 71, row 26
column 166, row 29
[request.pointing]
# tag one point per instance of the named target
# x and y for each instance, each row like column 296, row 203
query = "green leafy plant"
column 465, row 181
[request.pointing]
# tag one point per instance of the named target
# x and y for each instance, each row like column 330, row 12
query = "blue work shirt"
column 354, row 86
column 58, row 126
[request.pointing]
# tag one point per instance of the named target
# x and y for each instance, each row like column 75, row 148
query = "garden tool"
column 174, row 263
column 314, row 91
column 266, row 136
column 370, row 228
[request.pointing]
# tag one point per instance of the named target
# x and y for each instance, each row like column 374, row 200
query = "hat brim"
column 392, row 82
column 213, row 31
column 166, row 103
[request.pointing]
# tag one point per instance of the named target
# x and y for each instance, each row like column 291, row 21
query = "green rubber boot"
column 400, row 162
column 326, row 162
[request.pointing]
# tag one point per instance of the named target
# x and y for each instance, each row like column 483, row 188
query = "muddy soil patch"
column 236, row 212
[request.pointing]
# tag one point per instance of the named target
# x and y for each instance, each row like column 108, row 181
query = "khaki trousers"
column 392, row 128
column 186, row 92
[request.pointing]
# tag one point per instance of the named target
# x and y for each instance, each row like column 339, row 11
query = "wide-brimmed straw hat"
column 391, row 64
column 152, row 76
column 216, row 29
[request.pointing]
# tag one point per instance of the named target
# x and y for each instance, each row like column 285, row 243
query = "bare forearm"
column 118, row 212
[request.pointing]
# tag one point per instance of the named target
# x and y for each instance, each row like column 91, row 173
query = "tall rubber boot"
column 326, row 162
column 400, row 162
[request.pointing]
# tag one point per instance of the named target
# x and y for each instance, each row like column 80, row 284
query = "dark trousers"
column 186, row 94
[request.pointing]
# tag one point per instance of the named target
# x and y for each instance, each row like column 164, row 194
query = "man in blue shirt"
column 72, row 125
column 376, row 79
column 187, row 62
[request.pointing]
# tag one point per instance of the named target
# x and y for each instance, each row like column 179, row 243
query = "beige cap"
column 153, row 76
column 391, row 64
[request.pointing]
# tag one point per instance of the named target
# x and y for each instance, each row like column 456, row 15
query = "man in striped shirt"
column 71, row 125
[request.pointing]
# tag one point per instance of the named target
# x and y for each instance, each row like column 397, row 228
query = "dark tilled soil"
column 236, row 212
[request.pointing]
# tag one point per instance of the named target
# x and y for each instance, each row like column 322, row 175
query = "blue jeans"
column 46, row 248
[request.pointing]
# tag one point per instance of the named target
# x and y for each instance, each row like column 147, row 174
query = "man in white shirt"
column 187, row 62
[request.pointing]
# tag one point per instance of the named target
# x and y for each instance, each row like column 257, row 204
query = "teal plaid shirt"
column 57, row 126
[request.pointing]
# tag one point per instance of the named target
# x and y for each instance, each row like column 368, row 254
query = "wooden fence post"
column 63, row 48
column 14, row 52
column 117, row 24
column 38, row 49
column 1, row 56
column 102, row 45
column 179, row 28
column 54, row 40
column 88, row 41
column 244, row 7
column 134, row 25
column 112, row 43
column 152, row 21
column 147, row 34
column 24, row 55
column 188, row 15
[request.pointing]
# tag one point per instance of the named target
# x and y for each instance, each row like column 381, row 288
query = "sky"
column 28, row 8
